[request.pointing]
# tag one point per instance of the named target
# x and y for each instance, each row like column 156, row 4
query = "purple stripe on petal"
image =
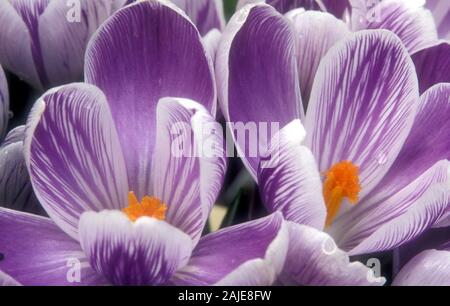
column 441, row 14
column 250, row 253
column 36, row 252
column 16, row 191
column 429, row 268
column 189, row 163
column 314, row 259
column 205, row 14
column 146, row 252
column 409, row 20
column 316, row 32
column 257, row 71
column 146, row 51
column 290, row 181
column 362, row 105
column 4, row 104
column 15, row 45
column 73, row 155
column 432, row 65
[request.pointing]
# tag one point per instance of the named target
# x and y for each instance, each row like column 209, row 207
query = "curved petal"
column 185, row 175
column 290, row 181
column 429, row 268
column 314, row 259
column 36, row 252
column 6, row 280
column 432, row 65
column 250, row 253
column 409, row 20
column 146, row 252
column 4, row 104
column 16, row 51
column 146, row 51
column 257, row 76
column 441, row 13
column 73, row 155
column 317, row 32
column 417, row 218
column 369, row 216
column 211, row 41
column 64, row 32
column 16, row 191
column 205, row 14
column 362, row 105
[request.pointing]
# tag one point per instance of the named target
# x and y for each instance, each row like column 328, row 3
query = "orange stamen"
column 148, row 207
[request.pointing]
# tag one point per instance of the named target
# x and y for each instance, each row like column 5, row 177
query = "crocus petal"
column 146, row 51
column 362, row 105
column 16, row 44
column 4, row 104
column 441, row 13
column 429, row 268
column 6, row 280
column 257, row 73
column 16, row 191
column 211, row 41
column 432, row 65
column 421, row 195
column 36, row 252
column 185, row 176
column 250, row 253
column 205, row 14
column 290, row 181
column 73, row 155
column 64, row 32
column 317, row 32
column 146, row 252
column 414, row 221
column 314, row 259
column 409, row 20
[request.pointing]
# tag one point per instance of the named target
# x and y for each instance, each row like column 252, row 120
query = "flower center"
column 341, row 181
column 148, row 207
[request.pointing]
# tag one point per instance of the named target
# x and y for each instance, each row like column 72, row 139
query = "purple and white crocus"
column 44, row 41
column 94, row 148
column 362, row 167
column 15, row 186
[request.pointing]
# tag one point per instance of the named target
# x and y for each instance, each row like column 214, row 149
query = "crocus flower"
column 123, row 207
column 15, row 186
column 378, row 184
column 44, row 41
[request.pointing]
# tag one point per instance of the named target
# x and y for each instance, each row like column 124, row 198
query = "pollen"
column 148, row 207
column 341, row 181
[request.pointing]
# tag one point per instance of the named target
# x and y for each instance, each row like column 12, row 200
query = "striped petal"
column 73, row 155
column 205, row 14
column 432, row 65
column 290, row 181
column 146, row 51
column 257, row 76
column 189, row 163
column 441, row 13
column 250, row 254
column 317, row 32
column 362, row 105
column 16, row 191
column 409, row 20
column 4, row 104
column 146, row 252
column 429, row 268
column 314, row 259
column 36, row 252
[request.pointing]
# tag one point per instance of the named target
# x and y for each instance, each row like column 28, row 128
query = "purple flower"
column 362, row 168
column 123, row 208
column 44, row 41
column 15, row 186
